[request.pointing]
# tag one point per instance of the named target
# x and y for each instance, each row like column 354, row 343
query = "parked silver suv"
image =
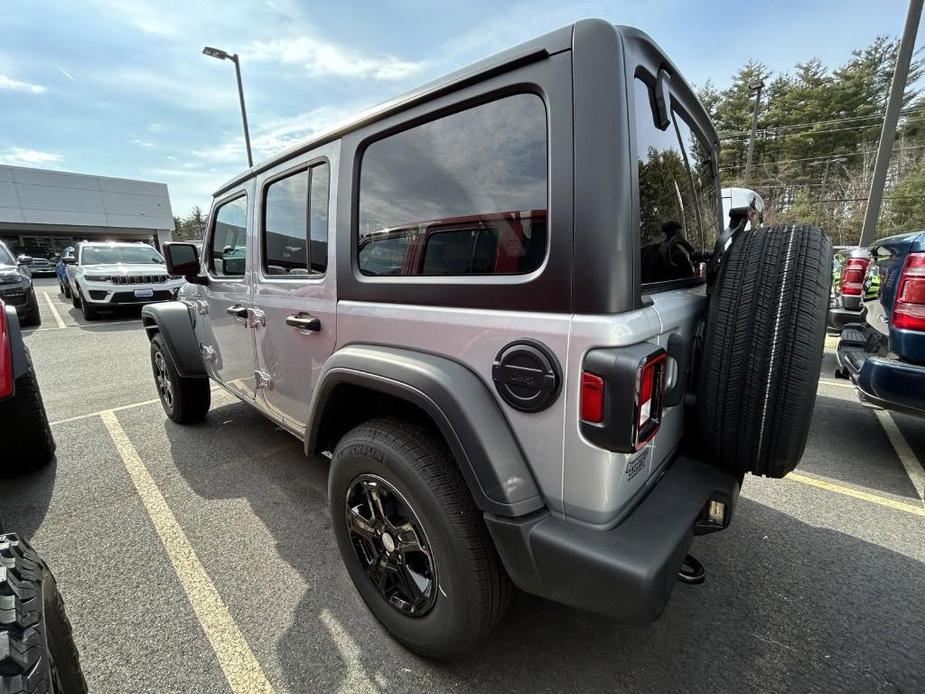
column 505, row 305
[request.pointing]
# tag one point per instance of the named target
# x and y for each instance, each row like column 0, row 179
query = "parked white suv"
column 107, row 275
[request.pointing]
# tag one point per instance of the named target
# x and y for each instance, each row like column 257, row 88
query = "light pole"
column 756, row 87
column 233, row 57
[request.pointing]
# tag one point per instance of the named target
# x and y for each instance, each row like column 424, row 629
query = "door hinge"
column 207, row 352
column 202, row 308
column 256, row 318
column 262, row 380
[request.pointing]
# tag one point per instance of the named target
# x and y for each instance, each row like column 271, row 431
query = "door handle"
column 237, row 311
column 304, row 321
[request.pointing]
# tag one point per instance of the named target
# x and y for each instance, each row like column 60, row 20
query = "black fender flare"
column 175, row 321
column 467, row 414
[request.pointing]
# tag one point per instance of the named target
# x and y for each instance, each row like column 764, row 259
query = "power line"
column 809, row 124
column 898, row 150
column 805, row 133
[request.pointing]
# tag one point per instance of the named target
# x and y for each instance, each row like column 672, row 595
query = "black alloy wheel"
column 162, row 379
column 391, row 545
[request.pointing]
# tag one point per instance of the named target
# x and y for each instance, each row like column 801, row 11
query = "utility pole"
column 756, row 88
column 888, row 134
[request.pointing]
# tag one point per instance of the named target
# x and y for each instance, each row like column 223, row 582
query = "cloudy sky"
column 120, row 88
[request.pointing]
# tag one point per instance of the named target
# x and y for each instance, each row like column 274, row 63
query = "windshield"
column 6, row 258
column 110, row 255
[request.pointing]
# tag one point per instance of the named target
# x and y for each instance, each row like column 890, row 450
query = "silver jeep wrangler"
column 506, row 307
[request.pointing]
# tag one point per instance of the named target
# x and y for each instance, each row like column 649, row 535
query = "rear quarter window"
column 461, row 195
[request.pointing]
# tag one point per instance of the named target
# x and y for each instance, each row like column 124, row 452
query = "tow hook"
column 692, row 572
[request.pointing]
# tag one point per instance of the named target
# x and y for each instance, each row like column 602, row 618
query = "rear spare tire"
column 763, row 346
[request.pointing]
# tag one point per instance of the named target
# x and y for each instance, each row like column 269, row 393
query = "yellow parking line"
column 237, row 660
column 355, row 680
column 856, row 493
column 98, row 414
column 833, row 382
column 214, row 390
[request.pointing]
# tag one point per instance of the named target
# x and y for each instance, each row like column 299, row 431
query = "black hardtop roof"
column 530, row 51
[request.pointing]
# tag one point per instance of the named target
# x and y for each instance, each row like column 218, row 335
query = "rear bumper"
column 880, row 380
column 840, row 317
column 628, row 571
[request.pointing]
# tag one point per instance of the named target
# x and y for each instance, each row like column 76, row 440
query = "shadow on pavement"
column 786, row 605
column 24, row 498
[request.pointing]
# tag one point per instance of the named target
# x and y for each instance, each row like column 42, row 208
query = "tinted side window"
column 285, row 220
column 228, row 250
column 670, row 222
column 318, row 252
column 295, row 229
column 464, row 194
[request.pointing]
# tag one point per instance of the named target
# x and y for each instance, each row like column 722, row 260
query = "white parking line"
column 906, row 455
column 54, row 311
column 237, row 660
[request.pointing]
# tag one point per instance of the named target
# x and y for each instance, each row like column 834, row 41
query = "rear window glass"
column 285, row 226
column 461, row 195
column 677, row 195
column 295, row 228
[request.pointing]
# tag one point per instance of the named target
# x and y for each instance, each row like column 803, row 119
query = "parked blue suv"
column 885, row 357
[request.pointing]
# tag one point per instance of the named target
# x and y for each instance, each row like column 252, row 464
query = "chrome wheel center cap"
column 388, row 542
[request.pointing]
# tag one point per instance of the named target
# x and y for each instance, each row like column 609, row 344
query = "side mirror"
column 24, row 260
column 183, row 259
column 69, row 260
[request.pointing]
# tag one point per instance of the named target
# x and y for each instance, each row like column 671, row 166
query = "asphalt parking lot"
column 819, row 585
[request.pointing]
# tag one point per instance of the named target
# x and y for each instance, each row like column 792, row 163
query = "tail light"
column 592, row 398
column 852, row 276
column 6, row 356
column 909, row 306
column 622, row 395
column 650, row 390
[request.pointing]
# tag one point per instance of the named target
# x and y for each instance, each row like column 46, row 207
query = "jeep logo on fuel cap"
column 526, row 375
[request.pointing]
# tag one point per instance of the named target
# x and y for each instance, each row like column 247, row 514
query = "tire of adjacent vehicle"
column 32, row 318
column 763, row 347
column 190, row 398
column 89, row 313
column 473, row 589
column 75, row 298
column 28, row 442
column 37, row 651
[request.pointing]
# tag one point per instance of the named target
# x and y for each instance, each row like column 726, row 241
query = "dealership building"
column 47, row 211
